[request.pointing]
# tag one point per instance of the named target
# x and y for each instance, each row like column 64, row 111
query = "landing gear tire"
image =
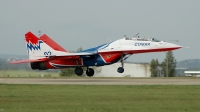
column 90, row 72
column 79, row 71
column 120, row 70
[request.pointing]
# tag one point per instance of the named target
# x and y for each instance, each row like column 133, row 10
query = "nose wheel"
column 120, row 70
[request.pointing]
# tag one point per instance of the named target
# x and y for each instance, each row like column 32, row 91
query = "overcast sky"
column 88, row 23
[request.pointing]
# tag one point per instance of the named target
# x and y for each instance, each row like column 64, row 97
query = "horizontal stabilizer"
column 28, row 61
column 76, row 54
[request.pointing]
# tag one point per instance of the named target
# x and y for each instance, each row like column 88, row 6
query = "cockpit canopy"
column 143, row 39
column 138, row 38
column 155, row 40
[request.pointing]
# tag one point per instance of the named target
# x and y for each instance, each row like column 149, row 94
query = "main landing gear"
column 79, row 71
column 90, row 72
column 121, row 69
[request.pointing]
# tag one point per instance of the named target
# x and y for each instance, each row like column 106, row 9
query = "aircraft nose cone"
column 176, row 46
column 173, row 46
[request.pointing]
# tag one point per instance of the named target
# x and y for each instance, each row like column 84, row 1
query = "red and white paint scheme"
column 45, row 54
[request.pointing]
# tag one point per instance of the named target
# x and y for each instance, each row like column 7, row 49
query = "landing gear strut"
column 78, row 70
column 89, row 72
column 121, row 69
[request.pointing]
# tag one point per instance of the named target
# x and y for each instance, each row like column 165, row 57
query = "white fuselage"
column 137, row 45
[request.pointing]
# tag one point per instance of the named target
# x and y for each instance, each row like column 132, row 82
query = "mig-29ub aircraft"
column 45, row 54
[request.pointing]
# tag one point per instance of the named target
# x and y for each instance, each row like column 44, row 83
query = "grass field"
column 92, row 98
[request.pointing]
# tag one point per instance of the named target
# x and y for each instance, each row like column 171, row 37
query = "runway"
column 103, row 81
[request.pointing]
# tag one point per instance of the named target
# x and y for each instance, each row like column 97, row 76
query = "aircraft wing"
column 28, row 61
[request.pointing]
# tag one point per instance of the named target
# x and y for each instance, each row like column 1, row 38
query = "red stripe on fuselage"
column 155, row 50
column 64, row 61
column 110, row 57
column 140, row 51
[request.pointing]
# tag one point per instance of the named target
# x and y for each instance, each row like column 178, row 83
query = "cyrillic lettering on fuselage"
column 142, row 44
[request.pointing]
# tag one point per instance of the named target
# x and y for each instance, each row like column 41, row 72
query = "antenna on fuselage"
column 174, row 40
column 39, row 33
column 109, row 40
column 137, row 35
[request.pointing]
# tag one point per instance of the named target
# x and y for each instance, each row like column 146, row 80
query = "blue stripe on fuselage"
column 97, row 60
column 93, row 49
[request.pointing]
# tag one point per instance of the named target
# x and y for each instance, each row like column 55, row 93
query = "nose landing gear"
column 121, row 69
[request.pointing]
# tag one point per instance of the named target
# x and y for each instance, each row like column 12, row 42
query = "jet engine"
column 38, row 65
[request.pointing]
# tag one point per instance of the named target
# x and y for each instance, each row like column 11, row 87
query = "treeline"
column 165, row 68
